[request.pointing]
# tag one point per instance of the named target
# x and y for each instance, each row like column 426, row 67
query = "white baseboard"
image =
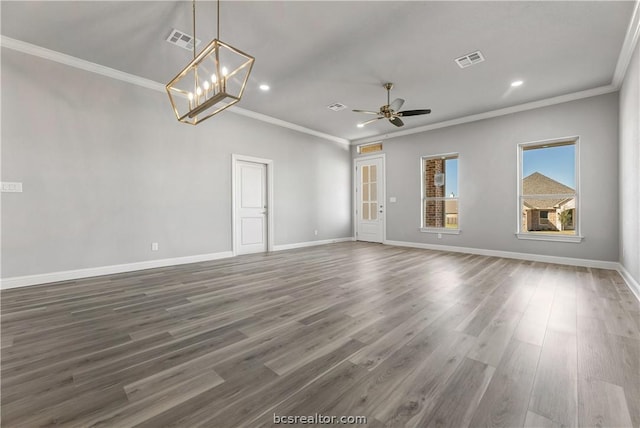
column 511, row 255
column 45, row 278
column 633, row 285
column 23, row 281
column 310, row 243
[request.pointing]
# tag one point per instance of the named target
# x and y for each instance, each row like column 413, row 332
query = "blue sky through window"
column 557, row 163
column 451, row 177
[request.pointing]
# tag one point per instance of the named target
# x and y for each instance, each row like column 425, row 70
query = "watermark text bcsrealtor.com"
column 319, row 419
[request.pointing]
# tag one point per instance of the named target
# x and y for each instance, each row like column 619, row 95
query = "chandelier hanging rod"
column 194, row 29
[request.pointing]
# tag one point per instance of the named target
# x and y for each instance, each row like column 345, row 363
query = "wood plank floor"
column 404, row 337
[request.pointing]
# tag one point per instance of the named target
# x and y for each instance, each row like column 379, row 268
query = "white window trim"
column 440, row 230
column 520, row 234
column 555, row 238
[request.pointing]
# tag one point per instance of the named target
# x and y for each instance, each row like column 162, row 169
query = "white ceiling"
column 313, row 54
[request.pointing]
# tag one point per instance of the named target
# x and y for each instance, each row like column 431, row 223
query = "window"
column 544, row 217
column 440, row 197
column 369, row 148
column 369, row 192
column 548, row 190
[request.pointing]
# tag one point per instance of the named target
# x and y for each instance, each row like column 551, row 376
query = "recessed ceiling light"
column 517, row 83
column 361, row 125
column 264, row 87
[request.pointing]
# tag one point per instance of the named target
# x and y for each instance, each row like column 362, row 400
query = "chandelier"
column 213, row 81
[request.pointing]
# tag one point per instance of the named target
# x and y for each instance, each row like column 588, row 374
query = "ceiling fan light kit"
column 214, row 80
column 390, row 110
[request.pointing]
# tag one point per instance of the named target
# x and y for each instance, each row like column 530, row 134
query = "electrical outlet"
column 315, row 232
column 154, row 246
column 439, row 235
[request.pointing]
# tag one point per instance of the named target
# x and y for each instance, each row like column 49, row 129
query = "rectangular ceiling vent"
column 337, row 107
column 470, row 59
column 182, row 39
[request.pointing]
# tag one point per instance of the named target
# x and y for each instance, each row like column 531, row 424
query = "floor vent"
column 337, row 107
column 182, row 39
column 470, row 59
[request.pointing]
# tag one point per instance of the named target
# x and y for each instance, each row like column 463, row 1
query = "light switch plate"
column 392, row 199
column 8, row 186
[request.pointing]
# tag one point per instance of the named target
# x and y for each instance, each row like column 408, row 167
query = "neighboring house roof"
column 538, row 184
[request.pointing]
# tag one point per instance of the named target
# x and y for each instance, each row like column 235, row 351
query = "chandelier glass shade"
column 214, row 80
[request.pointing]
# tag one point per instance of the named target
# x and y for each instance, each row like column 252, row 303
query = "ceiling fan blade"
column 414, row 112
column 396, row 104
column 366, row 111
column 396, row 121
column 369, row 121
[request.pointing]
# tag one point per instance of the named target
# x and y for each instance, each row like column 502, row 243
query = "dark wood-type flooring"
column 405, row 337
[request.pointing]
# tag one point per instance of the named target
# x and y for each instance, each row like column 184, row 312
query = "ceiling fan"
column 390, row 110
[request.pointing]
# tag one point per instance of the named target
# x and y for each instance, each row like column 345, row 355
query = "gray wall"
column 107, row 169
column 488, row 183
column 630, row 168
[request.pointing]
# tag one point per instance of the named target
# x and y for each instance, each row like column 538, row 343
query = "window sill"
column 442, row 230
column 553, row 238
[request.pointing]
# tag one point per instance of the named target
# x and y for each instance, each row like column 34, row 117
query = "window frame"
column 365, row 149
column 423, row 198
column 524, row 234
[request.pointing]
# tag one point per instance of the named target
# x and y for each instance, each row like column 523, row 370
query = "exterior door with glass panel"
column 251, row 207
column 370, row 199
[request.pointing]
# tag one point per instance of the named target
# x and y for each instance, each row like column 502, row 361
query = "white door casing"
column 369, row 210
column 252, row 214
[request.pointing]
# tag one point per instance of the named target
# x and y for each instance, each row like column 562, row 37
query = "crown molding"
column 490, row 114
column 624, row 58
column 289, row 125
column 71, row 61
column 628, row 47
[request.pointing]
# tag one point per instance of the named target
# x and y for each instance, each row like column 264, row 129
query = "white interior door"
column 251, row 207
column 370, row 199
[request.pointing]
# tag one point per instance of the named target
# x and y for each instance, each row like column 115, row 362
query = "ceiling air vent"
column 182, row 39
column 470, row 59
column 337, row 107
